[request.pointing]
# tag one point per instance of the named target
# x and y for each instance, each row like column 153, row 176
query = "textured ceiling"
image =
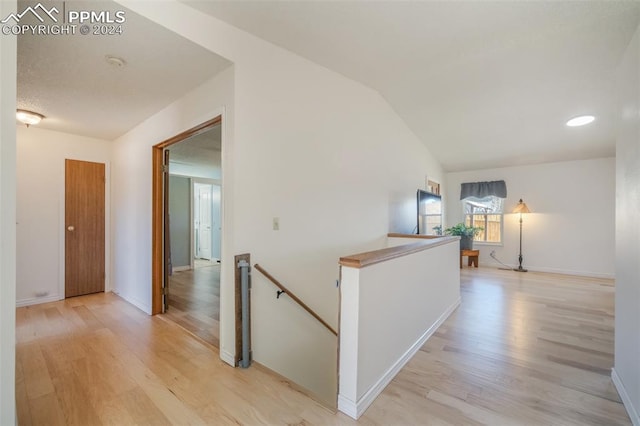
column 482, row 84
column 68, row 79
column 202, row 150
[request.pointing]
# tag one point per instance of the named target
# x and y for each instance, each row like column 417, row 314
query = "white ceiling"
column 202, row 150
column 482, row 84
column 68, row 79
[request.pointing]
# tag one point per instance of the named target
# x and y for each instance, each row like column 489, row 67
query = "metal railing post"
column 245, row 362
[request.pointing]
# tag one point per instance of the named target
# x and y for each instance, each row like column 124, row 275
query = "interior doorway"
column 187, row 228
column 194, row 300
column 84, row 227
column 206, row 219
column 203, row 220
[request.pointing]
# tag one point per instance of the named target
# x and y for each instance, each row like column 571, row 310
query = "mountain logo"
column 34, row 11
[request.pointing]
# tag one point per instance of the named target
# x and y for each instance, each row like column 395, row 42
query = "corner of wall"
column 624, row 396
column 8, row 53
column 626, row 374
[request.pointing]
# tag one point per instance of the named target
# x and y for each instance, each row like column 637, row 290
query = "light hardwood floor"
column 522, row 349
column 194, row 300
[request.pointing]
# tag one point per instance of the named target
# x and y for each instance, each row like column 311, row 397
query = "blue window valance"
column 496, row 188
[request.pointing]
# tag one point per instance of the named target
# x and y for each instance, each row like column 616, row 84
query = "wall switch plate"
column 276, row 223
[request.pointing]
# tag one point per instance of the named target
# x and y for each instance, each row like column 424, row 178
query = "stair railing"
column 284, row 290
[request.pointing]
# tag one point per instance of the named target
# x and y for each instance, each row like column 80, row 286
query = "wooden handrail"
column 361, row 260
column 294, row 297
column 415, row 236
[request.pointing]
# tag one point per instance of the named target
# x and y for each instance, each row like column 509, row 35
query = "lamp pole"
column 520, row 268
column 520, row 208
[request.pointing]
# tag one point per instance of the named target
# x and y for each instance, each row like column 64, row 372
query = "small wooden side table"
column 472, row 257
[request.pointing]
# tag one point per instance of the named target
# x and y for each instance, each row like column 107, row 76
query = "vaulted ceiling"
column 482, row 84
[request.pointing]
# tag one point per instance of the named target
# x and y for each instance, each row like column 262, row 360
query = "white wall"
column 325, row 155
column 626, row 372
column 180, row 220
column 131, row 181
column 40, row 182
column 571, row 229
column 388, row 311
column 7, row 222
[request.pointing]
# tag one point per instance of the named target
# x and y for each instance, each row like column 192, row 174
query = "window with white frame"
column 486, row 213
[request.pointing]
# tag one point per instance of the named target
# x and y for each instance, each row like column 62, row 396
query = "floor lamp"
column 521, row 208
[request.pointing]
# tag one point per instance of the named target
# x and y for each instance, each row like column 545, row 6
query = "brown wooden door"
column 84, row 223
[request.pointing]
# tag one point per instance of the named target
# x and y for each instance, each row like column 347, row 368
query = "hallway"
column 194, row 300
column 521, row 349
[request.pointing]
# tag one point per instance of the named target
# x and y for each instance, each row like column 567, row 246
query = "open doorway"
column 206, row 220
column 193, row 299
column 187, row 230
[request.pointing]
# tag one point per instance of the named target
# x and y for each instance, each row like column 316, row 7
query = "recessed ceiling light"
column 580, row 121
column 115, row 61
column 28, row 117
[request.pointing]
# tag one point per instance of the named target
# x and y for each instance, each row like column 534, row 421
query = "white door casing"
column 216, row 222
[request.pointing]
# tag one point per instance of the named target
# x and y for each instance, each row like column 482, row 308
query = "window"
column 486, row 213
column 429, row 213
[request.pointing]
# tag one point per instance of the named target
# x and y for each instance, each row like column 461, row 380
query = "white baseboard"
column 558, row 271
column 37, row 300
column 228, row 357
column 628, row 405
column 181, row 268
column 570, row 272
column 348, row 407
column 135, row 302
column 356, row 409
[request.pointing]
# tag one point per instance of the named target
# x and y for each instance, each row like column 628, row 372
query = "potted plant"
column 466, row 234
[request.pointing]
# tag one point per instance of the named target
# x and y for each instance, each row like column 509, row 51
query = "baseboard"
column 355, row 409
column 228, row 357
column 181, row 268
column 37, row 300
column 135, row 302
column 588, row 274
column 624, row 396
column 570, row 272
column 348, row 407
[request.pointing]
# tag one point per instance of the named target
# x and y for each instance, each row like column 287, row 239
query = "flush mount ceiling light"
column 28, row 117
column 580, row 121
column 115, row 61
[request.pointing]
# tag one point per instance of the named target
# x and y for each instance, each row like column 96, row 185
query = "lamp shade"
column 521, row 207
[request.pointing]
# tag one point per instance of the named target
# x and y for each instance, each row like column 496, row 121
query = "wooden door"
column 85, row 229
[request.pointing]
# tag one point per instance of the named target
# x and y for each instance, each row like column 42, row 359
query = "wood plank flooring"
column 194, row 300
column 522, row 349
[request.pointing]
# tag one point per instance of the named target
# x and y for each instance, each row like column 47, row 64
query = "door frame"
column 157, row 208
column 63, row 227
